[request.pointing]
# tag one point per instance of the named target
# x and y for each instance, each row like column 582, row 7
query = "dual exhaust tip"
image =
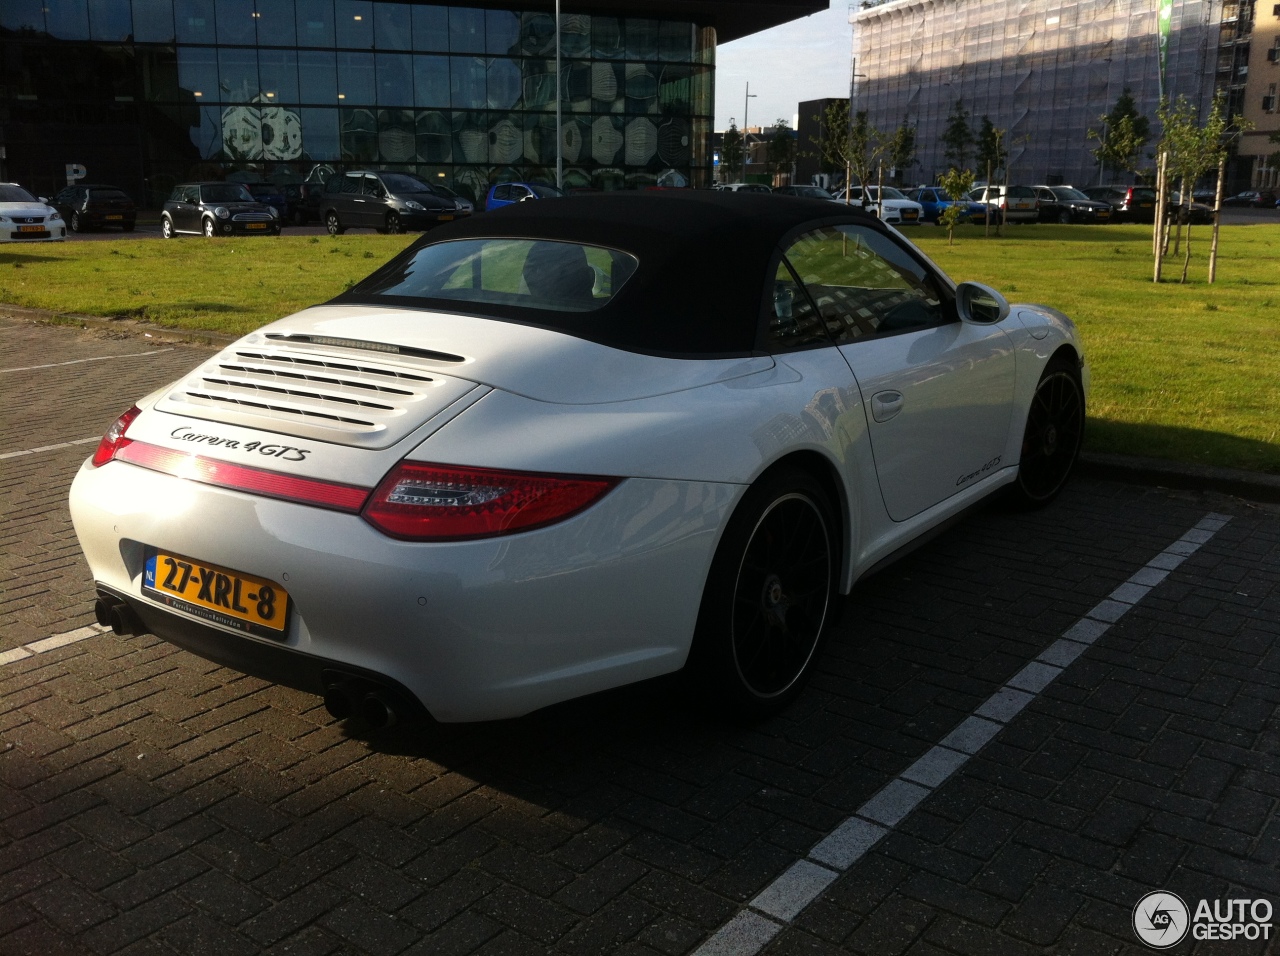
column 116, row 614
column 348, row 696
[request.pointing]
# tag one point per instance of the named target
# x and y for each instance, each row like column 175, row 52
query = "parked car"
column 1196, row 213
column 87, row 206
column 1128, row 203
column 444, row 192
column 302, row 202
column 504, row 194
column 1008, row 203
column 894, row 207
column 273, row 196
column 1258, row 199
column 934, row 200
column 744, row 188
column 384, row 201
column 216, row 209
column 1067, row 204
column 804, row 192
column 24, row 218
column 459, row 486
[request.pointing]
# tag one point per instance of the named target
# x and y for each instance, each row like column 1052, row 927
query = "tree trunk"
column 1177, row 220
column 1217, row 212
column 1158, row 238
column 986, row 222
column 1187, row 261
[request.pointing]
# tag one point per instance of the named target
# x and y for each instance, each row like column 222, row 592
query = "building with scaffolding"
column 1044, row 71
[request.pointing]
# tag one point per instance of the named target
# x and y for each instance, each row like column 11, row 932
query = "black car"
column 303, row 202
column 1067, row 204
column 1128, row 203
column 385, row 201
column 272, row 195
column 216, row 209
column 88, row 206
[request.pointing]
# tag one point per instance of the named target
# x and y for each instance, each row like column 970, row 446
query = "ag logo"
column 1160, row 919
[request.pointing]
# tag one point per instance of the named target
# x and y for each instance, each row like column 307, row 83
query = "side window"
column 191, row 194
column 502, row 193
column 864, row 284
column 351, row 184
column 372, row 187
column 793, row 322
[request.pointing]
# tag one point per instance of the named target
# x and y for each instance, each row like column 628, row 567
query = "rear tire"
column 76, row 224
column 769, row 596
column 1053, row 436
column 332, row 223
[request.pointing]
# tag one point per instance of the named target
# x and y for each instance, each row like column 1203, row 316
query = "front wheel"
column 394, row 225
column 1064, row 217
column 210, row 229
column 332, row 224
column 769, row 596
column 1054, row 434
column 166, row 227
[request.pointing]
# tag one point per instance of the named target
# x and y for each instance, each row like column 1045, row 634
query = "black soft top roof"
column 703, row 264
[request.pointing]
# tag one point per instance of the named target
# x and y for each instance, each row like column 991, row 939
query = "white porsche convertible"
column 571, row 445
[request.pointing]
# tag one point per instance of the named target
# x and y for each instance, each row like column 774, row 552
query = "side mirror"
column 980, row 304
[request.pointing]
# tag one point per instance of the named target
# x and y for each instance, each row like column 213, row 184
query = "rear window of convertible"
column 520, row 273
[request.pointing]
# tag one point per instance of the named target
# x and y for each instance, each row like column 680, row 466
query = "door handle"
column 885, row 405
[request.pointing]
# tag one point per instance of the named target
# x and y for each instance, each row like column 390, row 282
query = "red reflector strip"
column 259, row 481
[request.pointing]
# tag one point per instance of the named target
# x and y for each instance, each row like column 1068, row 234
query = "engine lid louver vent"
column 314, row 394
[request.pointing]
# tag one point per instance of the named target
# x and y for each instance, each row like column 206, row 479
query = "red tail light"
column 421, row 502
column 114, row 439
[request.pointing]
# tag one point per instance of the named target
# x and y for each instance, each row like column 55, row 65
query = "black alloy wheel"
column 332, row 224
column 769, row 596
column 1054, row 433
column 76, row 224
column 394, row 225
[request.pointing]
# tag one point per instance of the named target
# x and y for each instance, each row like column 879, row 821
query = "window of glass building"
column 152, row 21
column 315, row 23
column 467, row 85
column 194, row 21
column 353, row 20
column 356, row 84
column 318, row 76
column 277, row 23
column 395, row 79
column 278, row 75
column 198, row 72
column 502, row 32
column 236, row 22
column 466, row 30
column 22, row 15
column 67, row 19
column 431, row 81
column 110, row 20
column 431, row 29
column 392, row 26
column 237, row 75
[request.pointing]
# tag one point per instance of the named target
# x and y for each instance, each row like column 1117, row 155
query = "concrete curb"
column 1254, row 486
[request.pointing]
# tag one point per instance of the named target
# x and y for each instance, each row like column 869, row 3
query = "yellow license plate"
column 216, row 594
column 113, row 216
column 255, row 225
column 445, row 218
column 31, row 229
column 909, row 214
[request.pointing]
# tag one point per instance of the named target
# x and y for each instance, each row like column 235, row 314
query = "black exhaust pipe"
column 378, row 712
column 115, row 614
column 338, row 703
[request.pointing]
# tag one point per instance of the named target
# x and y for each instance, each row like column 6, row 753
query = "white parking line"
column 804, row 881
column 52, row 643
column 35, row 451
column 96, row 358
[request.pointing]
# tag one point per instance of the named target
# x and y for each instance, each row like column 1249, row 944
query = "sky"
column 806, row 59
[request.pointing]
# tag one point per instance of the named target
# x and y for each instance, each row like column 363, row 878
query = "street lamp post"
column 559, row 108
column 746, row 152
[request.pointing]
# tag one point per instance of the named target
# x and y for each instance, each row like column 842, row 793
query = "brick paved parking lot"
column 1013, row 736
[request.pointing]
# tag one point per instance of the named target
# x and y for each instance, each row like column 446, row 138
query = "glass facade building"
column 146, row 93
column 1043, row 70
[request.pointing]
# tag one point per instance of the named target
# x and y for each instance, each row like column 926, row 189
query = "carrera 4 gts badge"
column 283, row 452
column 981, row 471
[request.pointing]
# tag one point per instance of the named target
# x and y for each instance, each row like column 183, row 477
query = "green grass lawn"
column 1188, row 372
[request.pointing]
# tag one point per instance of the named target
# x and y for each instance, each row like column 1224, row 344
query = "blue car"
column 504, row 194
column 934, row 200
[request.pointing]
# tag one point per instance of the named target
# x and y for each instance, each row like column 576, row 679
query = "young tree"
column 731, row 153
column 1123, row 134
column 1193, row 149
column 957, row 137
column 957, row 183
column 781, row 151
column 992, row 153
column 900, row 150
column 857, row 146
